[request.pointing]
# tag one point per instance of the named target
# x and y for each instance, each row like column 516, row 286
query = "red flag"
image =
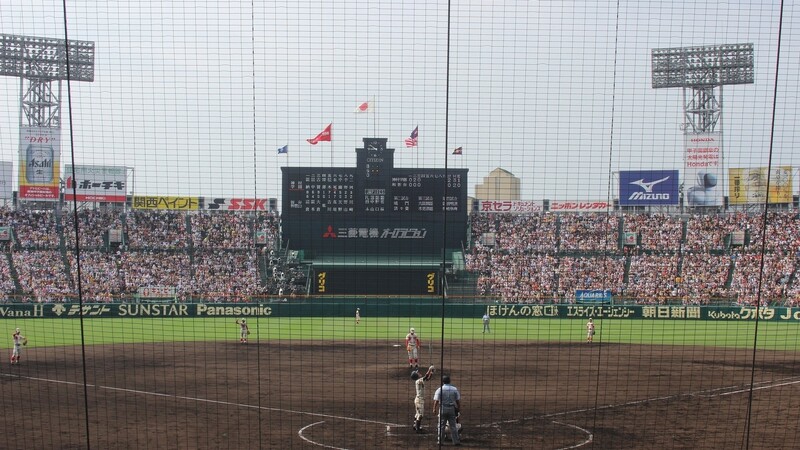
column 457, row 151
column 325, row 135
column 364, row 107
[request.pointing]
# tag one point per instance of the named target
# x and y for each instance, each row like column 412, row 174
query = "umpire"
column 447, row 402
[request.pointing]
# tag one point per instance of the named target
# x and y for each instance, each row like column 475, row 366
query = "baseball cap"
column 411, row 330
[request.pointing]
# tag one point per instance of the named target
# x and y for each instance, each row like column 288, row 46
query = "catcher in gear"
column 244, row 331
column 419, row 399
column 18, row 340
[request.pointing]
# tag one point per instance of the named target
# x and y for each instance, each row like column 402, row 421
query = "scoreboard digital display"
column 337, row 191
column 428, row 191
column 374, row 207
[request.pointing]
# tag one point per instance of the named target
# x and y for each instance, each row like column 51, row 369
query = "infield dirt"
column 358, row 395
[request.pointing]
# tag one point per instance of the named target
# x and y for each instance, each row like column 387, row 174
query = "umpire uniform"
column 447, row 402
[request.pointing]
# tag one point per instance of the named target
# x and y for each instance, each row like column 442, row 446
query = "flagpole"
column 416, row 127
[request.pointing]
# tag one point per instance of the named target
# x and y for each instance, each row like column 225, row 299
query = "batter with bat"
column 419, row 399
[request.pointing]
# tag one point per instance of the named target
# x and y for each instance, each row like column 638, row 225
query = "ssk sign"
column 648, row 187
column 236, row 204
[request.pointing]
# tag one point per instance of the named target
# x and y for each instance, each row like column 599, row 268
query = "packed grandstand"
column 530, row 258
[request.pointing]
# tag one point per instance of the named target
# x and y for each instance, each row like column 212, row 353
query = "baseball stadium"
column 424, row 224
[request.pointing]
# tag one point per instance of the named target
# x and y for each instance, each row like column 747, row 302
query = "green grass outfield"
column 57, row 332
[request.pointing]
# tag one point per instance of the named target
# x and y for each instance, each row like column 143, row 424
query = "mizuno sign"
column 648, row 187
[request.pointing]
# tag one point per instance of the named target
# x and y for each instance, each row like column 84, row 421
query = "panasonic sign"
column 648, row 187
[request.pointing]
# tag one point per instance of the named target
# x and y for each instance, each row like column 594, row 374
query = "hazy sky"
column 197, row 96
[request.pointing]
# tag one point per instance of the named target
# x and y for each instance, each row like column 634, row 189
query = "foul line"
column 715, row 392
column 200, row 400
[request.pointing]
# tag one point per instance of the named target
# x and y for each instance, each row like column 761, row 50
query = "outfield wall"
column 371, row 309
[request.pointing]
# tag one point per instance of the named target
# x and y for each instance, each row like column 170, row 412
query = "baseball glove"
column 248, row 332
column 25, row 341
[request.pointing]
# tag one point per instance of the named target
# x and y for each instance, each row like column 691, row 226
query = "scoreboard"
column 411, row 192
column 374, row 207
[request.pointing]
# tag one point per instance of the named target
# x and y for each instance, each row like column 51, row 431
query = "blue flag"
column 284, row 149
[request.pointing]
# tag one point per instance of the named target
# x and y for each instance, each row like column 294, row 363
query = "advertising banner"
column 592, row 296
column 703, row 169
column 39, row 153
column 510, row 206
column 416, row 307
column 235, row 204
column 6, row 172
column 166, row 202
column 579, row 206
column 95, row 183
column 750, row 185
column 648, row 187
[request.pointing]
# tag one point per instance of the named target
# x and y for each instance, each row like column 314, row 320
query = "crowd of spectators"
column 704, row 277
column 34, row 229
column 749, row 281
column 657, row 231
column 653, row 277
column 42, row 274
column 93, row 226
column 540, row 257
column 677, row 258
column 6, row 279
column 588, row 233
column 226, row 276
column 221, row 230
column 156, row 229
column 214, row 256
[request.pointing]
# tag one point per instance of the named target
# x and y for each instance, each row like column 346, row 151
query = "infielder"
column 419, row 400
column 243, row 331
column 589, row 330
column 485, row 320
column 412, row 346
column 19, row 340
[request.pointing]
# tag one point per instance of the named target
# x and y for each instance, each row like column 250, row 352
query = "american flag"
column 411, row 141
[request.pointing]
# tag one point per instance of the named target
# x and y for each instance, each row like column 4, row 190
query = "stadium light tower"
column 701, row 72
column 42, row 63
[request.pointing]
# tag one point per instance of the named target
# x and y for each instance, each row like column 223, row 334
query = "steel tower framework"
column 42, row 63
column 703, row 70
